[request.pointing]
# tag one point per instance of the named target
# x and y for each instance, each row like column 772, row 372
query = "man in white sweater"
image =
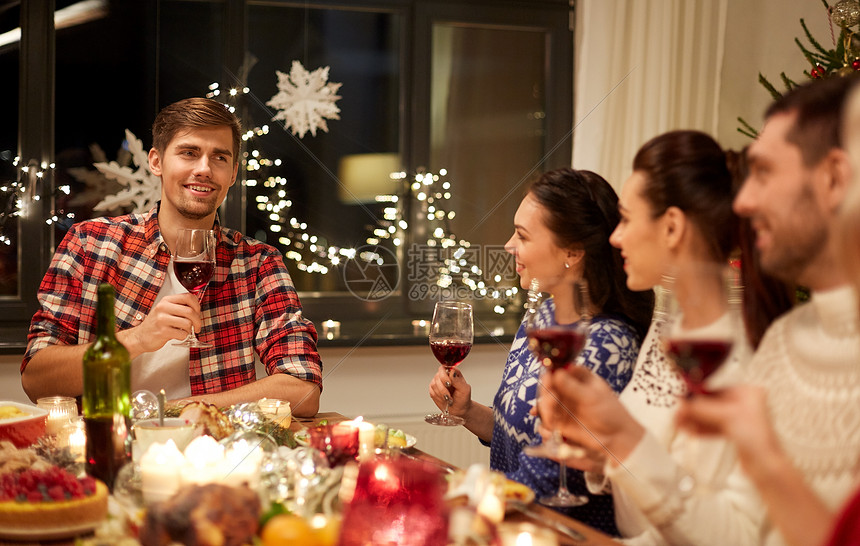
column 807, row 360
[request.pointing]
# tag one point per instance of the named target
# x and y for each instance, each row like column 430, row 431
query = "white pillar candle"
column 160, row 470
column 366, row 438
column 243, row 464
column 204, row 461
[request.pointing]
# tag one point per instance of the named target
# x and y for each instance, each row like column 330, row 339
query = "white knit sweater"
column 809, row 360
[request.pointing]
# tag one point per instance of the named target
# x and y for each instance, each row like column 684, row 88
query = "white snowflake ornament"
column 305, row 99
column 142, row 188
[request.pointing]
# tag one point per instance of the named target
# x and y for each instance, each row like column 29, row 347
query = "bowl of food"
column 150, row 431
column 21, row 424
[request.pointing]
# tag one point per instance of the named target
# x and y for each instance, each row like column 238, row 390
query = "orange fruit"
column 327, row 530
column 286, row 530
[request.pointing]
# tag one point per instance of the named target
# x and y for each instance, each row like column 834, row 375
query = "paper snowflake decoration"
column 142, row 189
column 305, row 99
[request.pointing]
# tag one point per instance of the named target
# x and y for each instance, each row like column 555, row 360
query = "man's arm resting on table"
column 58, row 369
column 304, row 396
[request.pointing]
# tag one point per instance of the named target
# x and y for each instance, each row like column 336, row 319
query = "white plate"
column 301, row 438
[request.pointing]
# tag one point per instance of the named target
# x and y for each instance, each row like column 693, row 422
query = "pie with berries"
column 38, row 501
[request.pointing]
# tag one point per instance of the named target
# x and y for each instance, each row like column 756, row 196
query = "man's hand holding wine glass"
column 170, row 319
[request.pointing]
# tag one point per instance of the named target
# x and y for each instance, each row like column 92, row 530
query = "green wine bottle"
column 107, row 396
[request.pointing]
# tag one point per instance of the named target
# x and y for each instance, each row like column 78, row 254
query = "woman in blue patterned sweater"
column 561, row 231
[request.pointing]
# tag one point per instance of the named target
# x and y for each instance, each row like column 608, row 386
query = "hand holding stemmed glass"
column 194, row 264
column 557, row 346
column 451, row 336
column 701, row 306
column 702, row 327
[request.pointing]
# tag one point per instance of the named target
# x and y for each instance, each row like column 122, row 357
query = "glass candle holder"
column 61, row 410
column 338, row 442
column 331, row 329
column 526, row 534
column 396, row 501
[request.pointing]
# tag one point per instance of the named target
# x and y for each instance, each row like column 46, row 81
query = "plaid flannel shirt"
column 249, row 305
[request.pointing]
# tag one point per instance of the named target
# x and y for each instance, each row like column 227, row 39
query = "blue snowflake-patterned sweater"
column 610, row 352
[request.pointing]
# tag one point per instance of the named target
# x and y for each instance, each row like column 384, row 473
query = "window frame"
column 37, row 113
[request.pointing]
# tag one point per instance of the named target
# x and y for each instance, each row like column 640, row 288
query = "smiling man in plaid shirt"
column 249, row 306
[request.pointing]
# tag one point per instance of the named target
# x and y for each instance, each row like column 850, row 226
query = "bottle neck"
column 105, row 321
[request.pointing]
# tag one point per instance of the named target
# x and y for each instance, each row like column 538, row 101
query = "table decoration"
column 338, row 442
column 395, row 501
column 525, row 534
column 161, row 471
column 61, row 410
column 22, row 424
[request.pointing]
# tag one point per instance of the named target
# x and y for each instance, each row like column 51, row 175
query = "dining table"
column 567, row 531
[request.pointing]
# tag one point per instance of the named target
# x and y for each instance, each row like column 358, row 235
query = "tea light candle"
column 420, row 328
column 160, row 471
column 61, row 410
column 366, row 438
column 276, row 410
column 526, row 534
column 77, row 439
column 331, row 329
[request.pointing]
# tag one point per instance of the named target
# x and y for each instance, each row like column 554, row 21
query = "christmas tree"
column 843, row 59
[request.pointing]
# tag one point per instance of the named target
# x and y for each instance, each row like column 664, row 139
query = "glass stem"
column 562, row 478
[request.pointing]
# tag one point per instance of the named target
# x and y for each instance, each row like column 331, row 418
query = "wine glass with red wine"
column 451, row 335
column 194, row 264
column 702, row 323
column 556, row 344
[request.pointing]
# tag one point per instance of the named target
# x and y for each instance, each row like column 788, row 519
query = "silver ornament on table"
column 845, row 13
column 144, row 405
column 246, row 416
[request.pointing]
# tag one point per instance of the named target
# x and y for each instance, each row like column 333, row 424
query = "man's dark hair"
column 192, row 113
column 818, row 107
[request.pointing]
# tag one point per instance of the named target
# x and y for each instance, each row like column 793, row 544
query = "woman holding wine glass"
column 677, row 223
column 561, row 235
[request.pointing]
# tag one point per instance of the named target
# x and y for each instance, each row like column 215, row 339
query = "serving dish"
column 23, row 430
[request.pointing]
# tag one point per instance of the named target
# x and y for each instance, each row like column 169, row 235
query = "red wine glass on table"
column 194, row 264
column 556, row 344
column 700, row 340
column 451, row 335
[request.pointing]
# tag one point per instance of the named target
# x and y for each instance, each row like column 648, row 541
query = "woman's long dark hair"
column 765, row 296
column 690, row 171
column 581, row 210
column 687, row 170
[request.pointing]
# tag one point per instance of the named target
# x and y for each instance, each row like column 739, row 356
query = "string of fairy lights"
column 312, row 253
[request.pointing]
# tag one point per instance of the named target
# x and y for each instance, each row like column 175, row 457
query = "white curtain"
column 643, row 67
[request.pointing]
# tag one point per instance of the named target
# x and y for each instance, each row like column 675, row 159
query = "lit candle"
column 526, row 534
column 331, row 329
column 420, row 328
column 276, row 410
column 61, row 410
column 366, row 438
column 243, row 461
column 77, row 439
column 204, row 461
column 160, row 471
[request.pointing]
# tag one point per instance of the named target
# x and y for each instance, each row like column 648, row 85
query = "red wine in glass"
column 193, row 275
column 194, row 263
column 556, row 346
column 451, row 334
column 697, row 359
column 450, row 353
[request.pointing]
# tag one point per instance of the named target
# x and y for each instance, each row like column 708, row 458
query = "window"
column 479, row 93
